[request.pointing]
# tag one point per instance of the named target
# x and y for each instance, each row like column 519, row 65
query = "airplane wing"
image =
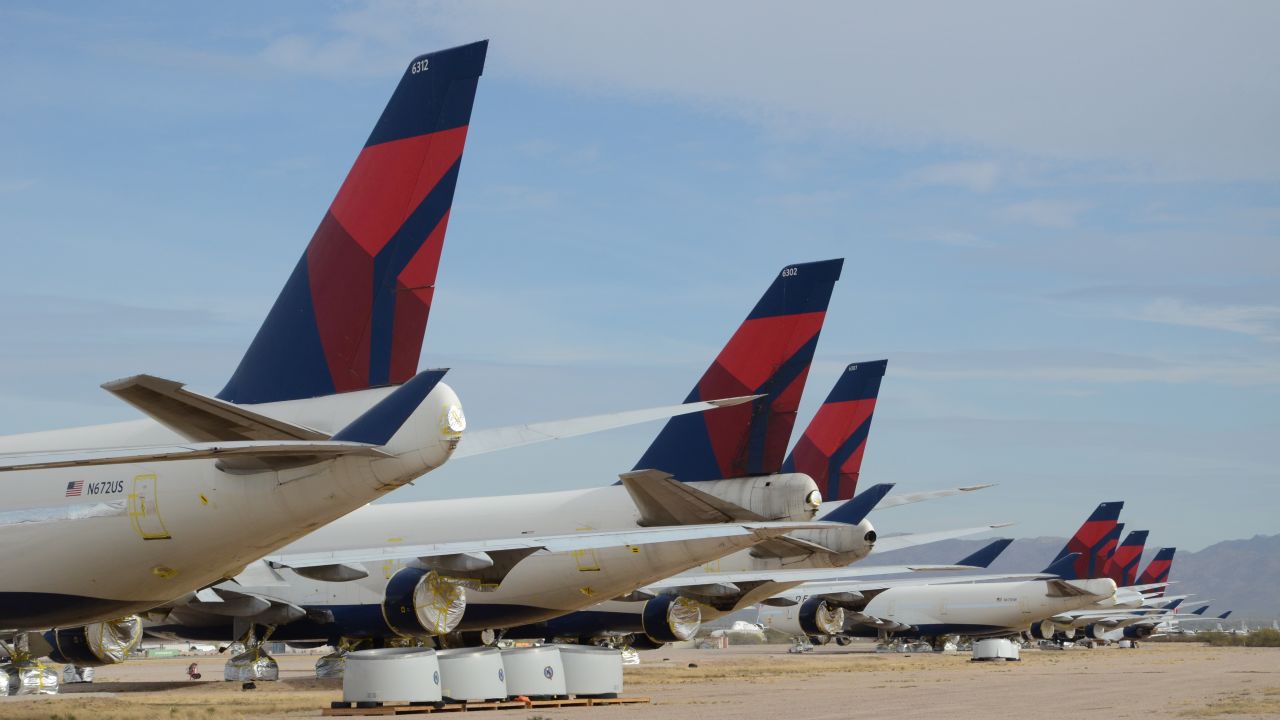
column 898, row 542
column 263, row 449
column 478, row 442
column 569, row 542
column 781, row 575
column 909, row 498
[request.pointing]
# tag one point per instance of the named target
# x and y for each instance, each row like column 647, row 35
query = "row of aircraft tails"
column 246, row 515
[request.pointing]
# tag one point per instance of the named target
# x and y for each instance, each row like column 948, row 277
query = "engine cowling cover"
column 419, row 603
column 670, row 618
column 1043, row 630
column 104, row 643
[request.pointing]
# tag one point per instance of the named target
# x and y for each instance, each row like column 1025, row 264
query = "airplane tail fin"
column 986, row 554
column 1122, row 566
column 353, row 313
column 1158, row 569
column 769, row 355
column 1200, row 610
column 1091, row 539
column 830, row 450
column 1225, row 615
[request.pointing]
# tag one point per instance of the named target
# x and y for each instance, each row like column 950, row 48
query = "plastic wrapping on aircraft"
column 251, row 665
column 630, row 656
column 63, row 513
column 104, row 643
column 31, row 677
column 421, row 603
column 827, row 620
column 670, row 618
column 684, row 618
column 331, row 665
column 72, row 674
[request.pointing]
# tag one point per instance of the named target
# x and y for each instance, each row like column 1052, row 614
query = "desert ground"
column 1154, row 681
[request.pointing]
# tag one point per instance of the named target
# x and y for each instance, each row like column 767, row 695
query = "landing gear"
column 254, row 663
column 23, row 674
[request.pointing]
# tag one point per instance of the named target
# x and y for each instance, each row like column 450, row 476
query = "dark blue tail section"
column 986, row 555
column 855, row 510
column 1200, row 610
column 1225, row 615
column 769, row 355
column 831, row 448
column 1063, row 567
column 353, row 313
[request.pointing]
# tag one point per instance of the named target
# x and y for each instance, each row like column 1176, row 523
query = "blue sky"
column 1061, row 225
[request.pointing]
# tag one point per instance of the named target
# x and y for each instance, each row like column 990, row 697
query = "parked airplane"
column 932, row 609
column 379, row 549
column 831, row 448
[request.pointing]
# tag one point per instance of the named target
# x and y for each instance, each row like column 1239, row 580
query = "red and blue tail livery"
column 769, row 355
column 1092, row 540
column 830, row 450
column 1158, row 569
column 353, row 313
column 1123, row 564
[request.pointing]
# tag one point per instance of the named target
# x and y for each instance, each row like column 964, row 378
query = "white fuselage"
column 94, row 543
column 977, row 608
column 543, row 585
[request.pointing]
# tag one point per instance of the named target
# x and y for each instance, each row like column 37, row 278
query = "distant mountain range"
column 1238, row 575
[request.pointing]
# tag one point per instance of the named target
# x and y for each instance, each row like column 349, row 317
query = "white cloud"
column 1259, row 321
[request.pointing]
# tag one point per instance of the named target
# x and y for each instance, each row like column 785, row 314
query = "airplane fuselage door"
column 144, row 508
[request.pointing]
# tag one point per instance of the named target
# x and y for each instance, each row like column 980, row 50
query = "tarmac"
column 1182, row 680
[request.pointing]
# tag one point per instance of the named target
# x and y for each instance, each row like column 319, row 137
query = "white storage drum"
column 391, row 675
column 534, row 671
column 995, row 649
column 472, row 674
column 592, row 671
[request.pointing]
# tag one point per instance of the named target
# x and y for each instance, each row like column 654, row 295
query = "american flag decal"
column 74, row 488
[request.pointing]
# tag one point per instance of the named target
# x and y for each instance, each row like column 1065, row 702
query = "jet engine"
column 814, row 618
column 1139, row 632
column 419, row 603
column 1043, row 630
column 670, row 618
column 104, row 643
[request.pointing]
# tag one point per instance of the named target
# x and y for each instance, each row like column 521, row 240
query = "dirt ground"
column 1154, row 681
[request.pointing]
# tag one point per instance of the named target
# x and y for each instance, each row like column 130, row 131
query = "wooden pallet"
column 480, row 706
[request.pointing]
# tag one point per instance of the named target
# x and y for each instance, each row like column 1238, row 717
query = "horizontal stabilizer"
column 200, row 418
column 229, row 452
column 986, row 554
column 856, row 510
column 898, row 542
column 663, row 500
column 478, row 442
column 909, row 498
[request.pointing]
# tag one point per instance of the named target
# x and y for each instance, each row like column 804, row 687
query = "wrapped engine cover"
column 31, row 677
column 331, row 665
column 104, row 643
column 819, row 618
column 419, row 603
column 670, row 618
column 250, row 666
